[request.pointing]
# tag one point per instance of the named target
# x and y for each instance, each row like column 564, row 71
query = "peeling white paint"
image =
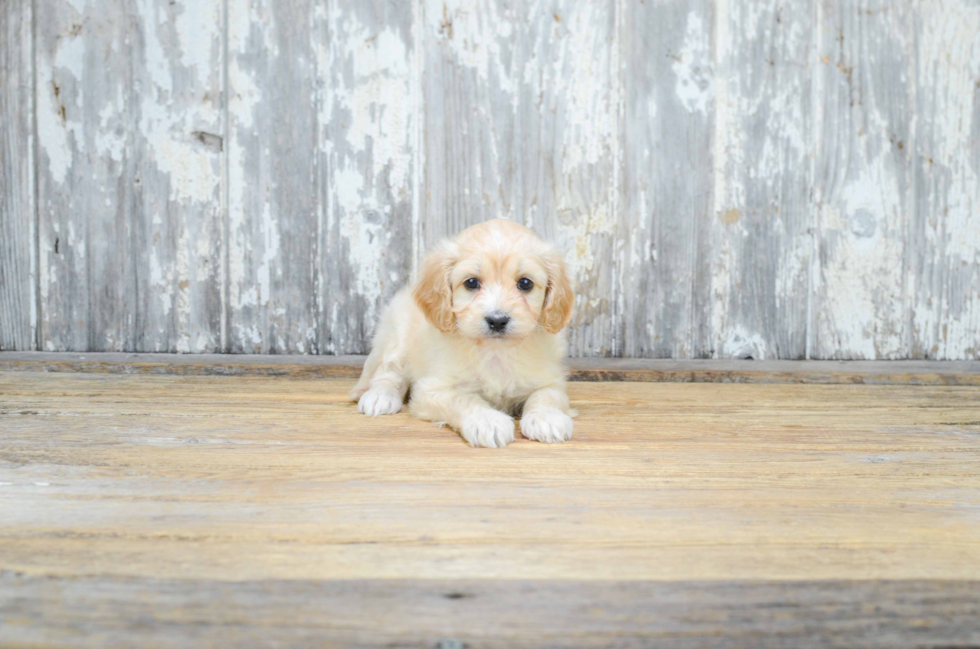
column 693, row 67
column 168, row 122
column 475, row 42
column 369, row 112
column 582, row 256
column 378, row 103
column 759, row 146
column 270, row 255
column 110, row 141
column 742, row 343
column 195, row 24
column 946, row 314
column 59, row 134
column 580, row 83
column 863, row 304
column 543, row 88
column 244, row 98
column 194, row 174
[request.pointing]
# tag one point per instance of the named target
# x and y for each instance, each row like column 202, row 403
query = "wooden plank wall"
column 18, row 303
column 729, row 179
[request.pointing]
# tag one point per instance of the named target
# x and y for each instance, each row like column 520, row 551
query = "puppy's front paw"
column 549, row 425
column 379, row 401
column 488, row 427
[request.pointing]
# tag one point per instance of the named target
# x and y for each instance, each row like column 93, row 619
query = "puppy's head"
column 495, row 281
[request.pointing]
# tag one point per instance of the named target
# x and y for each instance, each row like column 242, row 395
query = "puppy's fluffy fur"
column 474, row 344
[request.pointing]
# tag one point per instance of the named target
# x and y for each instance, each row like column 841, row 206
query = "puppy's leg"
column 370, row 367
column 386, row 396
column 384, row 382
column 545, row 416
column 477, row 421
column 382, row 387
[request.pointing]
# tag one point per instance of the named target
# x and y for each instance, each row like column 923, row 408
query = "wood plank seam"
column 950, row 373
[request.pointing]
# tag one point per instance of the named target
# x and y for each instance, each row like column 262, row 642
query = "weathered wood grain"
column 272, row 234
column 297, row 366
column 135, row 506
column 522, row 122
column 758, row 237
column 129, row 170
column 369, row 97
column 727, row 179
column 667, row 174
column 86, row 124
column 278, row 478
column 179, row 141
column 863, row 184
column 568, row 145
column 472, row 61
column 964, row 373
column 99, row 611
column 804, row 372
column 18, row 272
column 944, row 235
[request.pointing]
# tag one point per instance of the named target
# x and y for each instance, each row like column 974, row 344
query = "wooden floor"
column 142, row 510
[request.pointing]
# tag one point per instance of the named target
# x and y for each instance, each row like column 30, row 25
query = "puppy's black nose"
column 497, row 322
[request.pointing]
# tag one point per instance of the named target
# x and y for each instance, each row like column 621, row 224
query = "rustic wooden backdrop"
column 729, row 178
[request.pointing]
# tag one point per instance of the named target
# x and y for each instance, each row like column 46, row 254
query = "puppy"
column 476, row 341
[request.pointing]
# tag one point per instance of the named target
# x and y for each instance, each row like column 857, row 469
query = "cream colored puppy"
column 476, row 341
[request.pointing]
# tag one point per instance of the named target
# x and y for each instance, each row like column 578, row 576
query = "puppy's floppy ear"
column 433, row 293
column 560, row 296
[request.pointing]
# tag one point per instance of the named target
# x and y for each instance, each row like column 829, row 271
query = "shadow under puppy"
column 477, row 340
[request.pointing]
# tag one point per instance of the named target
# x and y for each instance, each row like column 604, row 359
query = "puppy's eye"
column 472, row 283
column 525, row 284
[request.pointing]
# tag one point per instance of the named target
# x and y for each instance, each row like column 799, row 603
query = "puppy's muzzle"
column 497, row 322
